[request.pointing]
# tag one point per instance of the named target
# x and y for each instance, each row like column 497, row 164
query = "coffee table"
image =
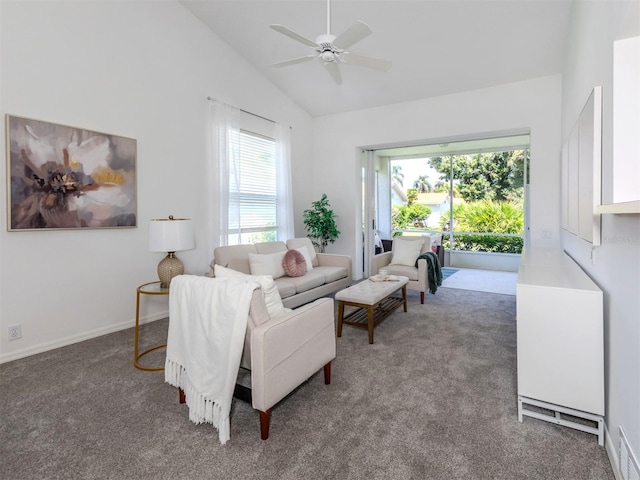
column 374, row 300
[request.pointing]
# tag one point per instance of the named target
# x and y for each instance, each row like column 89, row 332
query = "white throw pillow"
column 270, row 293
column 267, row 264
column 307, row 258
column 406, row 252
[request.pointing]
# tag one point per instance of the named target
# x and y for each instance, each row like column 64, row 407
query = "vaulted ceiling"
column 437, row 47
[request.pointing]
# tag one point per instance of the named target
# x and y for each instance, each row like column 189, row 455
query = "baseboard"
column 612, row 453
column 63, row 342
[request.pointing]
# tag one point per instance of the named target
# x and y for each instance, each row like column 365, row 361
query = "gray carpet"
column 433, row 398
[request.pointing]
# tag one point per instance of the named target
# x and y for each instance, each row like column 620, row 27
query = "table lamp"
column 170, row 235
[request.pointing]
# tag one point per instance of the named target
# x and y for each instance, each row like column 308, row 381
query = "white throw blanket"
column 207, row 326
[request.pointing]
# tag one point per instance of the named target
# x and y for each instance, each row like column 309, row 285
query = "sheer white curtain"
column 223, row 174
column 283, row 183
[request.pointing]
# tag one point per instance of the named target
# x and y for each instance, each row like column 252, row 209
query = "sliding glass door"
column 468, row 195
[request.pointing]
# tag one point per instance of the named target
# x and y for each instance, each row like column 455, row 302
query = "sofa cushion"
column 405, row 251
column 294, row 264
column 285, row 288
column 267, row 264
column 270, row 292
column 270, row 247
column 304, row 283
column 331, row 274
column 235, row 257
column 410, row 272
column 304, row 242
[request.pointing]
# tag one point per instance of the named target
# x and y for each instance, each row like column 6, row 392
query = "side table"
column 152, row 288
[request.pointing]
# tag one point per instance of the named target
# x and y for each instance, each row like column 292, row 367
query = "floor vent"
column 628, row 461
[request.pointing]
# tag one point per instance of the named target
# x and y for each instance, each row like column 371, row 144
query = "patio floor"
column 492, row 281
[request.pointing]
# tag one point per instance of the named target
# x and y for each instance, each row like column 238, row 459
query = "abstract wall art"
column 62, row 177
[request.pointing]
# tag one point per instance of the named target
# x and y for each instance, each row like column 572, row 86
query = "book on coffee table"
column 378, row 278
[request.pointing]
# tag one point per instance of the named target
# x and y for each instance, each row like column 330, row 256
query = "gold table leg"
column 136, row 340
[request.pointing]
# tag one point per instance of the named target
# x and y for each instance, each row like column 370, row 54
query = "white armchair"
column 284, row 352
column 417, row 275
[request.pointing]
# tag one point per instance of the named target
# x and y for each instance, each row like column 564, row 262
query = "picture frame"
column 61, row 177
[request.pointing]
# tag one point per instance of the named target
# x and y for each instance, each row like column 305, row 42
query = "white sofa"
column 329, row 273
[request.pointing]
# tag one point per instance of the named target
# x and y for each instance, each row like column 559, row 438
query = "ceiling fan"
column 331, row 50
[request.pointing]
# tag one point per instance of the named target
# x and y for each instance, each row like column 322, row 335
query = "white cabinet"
column 560, row 342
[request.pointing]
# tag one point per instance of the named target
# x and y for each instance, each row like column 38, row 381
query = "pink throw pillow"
column 294, row 264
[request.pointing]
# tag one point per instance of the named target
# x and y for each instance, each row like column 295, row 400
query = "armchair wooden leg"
column 327, row 373
column 422, row 298
column 183, row 399
column 265, row 419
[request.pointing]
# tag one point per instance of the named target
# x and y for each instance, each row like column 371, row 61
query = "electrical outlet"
column 15, row 332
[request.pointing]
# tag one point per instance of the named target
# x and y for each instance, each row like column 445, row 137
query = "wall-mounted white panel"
column 564, row 191
column 573, row 190
column 582, row 172
column 589, row 168
column 626, row 120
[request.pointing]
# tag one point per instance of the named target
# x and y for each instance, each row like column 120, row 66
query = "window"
column 249, row 161
column 257, row 190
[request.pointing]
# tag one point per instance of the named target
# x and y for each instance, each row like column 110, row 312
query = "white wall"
column 616, row 269
column 532, row 105
column 136, row 69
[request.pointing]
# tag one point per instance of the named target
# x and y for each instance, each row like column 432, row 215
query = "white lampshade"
column 170, row 234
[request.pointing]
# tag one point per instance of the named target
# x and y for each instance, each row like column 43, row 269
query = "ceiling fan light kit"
column 331, row 50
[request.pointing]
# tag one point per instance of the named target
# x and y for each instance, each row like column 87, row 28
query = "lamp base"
column 169, row 267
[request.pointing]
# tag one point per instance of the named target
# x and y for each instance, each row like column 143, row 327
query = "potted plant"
column 321, row 224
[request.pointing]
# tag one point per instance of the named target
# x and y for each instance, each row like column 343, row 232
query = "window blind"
column 257, row 188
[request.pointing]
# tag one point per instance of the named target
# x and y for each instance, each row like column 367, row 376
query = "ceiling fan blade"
column 293, row 61
column 371, row 62
column 332, row 68
column 353, row 34
column 296, row 36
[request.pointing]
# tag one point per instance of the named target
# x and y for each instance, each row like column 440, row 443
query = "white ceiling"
column 437, row 47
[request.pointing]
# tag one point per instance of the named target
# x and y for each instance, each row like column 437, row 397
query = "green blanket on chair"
column 434, row 271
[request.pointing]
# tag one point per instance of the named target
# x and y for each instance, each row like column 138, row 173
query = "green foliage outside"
column 488, row 198
column 259, row 237
column 485, row 176
column 396, row 173
column 486, row 216
column 422, row 184
column 411, row 215
column 412, row 196
column 479, row 243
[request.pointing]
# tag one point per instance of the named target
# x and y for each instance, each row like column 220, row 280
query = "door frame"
column 368, row 163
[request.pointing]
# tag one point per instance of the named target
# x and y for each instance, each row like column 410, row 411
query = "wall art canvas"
column 63, row 177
